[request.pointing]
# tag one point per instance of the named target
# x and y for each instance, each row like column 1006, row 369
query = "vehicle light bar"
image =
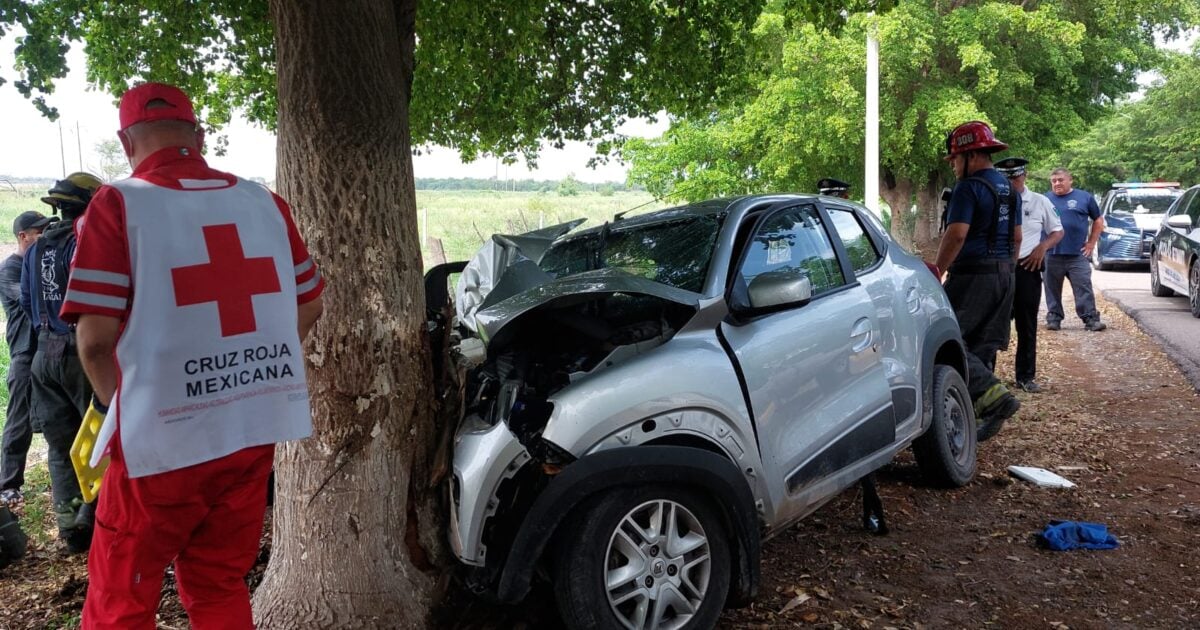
column 1147, row 185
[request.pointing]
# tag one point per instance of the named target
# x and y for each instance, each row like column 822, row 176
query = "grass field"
column 461, row 219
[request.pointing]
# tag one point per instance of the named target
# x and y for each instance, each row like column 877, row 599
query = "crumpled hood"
column 505, row 266
column 491, row 320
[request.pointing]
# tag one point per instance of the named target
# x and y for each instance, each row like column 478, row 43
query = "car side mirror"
column 776, row 288
column 1180, row 221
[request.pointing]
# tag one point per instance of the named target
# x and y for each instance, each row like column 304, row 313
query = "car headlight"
column 1114, row 231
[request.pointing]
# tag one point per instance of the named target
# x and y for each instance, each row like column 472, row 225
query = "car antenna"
column 620, row 215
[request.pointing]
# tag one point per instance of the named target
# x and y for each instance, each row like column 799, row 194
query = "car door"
column 1172, row 255
column 812, row 368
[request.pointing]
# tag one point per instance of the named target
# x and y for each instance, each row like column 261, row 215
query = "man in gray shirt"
column 18, row 430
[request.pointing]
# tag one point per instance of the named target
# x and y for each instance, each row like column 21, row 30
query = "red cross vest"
column 210, row 358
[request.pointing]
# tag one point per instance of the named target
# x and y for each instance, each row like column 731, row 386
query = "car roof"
column 708, row 208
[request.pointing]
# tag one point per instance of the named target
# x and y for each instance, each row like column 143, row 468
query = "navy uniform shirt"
column 972, row 202
column 1076, row 209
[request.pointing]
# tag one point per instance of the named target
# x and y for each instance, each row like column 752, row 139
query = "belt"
column 982, row 266
column 46, row 333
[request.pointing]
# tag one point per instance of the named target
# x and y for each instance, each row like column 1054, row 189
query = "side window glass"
column 1184, row 202
column 858, row 245
column 1193, row 208
column 794, row 242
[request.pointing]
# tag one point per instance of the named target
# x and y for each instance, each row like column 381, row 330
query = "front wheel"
column 946, row 451
column 1194, row 287
column 651, row 557
column 1156, row 287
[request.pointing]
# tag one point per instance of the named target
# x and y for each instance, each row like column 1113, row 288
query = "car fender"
column 941, row 331
column 638, row 465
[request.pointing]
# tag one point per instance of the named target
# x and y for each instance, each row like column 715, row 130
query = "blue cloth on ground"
column 1067, row 535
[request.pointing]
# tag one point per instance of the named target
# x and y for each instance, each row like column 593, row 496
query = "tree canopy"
column 1154, row 138
column 1039, row 72
column 494, row 76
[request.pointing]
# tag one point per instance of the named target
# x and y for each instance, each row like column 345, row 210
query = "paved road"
column 1168, row 319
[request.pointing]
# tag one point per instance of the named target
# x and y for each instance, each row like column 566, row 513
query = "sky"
column 31, row 145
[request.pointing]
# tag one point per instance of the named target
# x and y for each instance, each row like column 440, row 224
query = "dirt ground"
column 1117, row 418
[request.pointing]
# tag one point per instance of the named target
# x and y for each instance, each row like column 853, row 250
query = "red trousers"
column 208, row 518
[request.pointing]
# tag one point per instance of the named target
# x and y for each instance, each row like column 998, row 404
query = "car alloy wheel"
column 1194, row 287
column 658, row 566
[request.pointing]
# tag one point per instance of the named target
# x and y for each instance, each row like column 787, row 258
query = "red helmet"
column 972, row 136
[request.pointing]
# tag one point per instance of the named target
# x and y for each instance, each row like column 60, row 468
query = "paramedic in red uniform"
column 192, row 290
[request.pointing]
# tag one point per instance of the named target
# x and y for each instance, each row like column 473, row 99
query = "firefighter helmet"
column 972, row 136
column 75, row 189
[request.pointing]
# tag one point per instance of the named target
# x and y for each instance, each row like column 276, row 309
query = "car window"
column 1181, row 206
column 859, row 247
column 794, row 241
column 1193, row 208
column 676, row 253
column 1142, row 200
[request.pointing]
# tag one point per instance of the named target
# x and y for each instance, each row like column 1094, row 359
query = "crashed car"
column 646, row 400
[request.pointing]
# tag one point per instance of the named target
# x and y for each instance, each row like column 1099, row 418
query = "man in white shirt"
column 1041, row 229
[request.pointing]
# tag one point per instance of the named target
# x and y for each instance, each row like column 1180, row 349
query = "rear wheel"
column 1194, row 287
column 1156, row 287
column 651, row 557
column 946, row 451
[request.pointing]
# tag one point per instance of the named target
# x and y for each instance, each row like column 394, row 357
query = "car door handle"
column 913, row 300
column 860, row 334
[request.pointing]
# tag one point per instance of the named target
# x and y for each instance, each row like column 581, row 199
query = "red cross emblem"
column 228, row 278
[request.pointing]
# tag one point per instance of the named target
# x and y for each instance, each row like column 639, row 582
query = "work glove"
column 81, row 451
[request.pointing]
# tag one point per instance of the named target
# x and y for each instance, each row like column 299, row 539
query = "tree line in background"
column 1041, row 73
column 567, row 186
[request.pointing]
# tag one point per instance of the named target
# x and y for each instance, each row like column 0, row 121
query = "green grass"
column 14, row 202
column 464, row 219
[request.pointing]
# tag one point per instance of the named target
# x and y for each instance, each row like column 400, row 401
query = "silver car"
column 645, row 401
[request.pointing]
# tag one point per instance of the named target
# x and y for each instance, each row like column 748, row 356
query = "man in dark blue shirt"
column 979, row 249
column 61, row 391
column 18, row 430
column 1069, row 259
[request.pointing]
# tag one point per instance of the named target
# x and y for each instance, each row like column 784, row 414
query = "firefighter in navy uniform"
column 979, row 250
column 834, row 188
column 61, row 391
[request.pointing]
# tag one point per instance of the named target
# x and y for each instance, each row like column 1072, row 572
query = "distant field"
column 461, row 219
column 14, row 202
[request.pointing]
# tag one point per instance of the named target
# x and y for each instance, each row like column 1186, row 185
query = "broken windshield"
column 675, row 253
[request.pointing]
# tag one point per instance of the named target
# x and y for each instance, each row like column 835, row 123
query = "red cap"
column 133, row 105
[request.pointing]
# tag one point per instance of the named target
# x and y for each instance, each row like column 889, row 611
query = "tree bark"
column 927, row 231
column 898, row 195
column 346, row 549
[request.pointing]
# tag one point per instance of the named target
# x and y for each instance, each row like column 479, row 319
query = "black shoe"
column 1095, row 325
column 994, row 416
column 78, row 539
column 1030, row 386
column 1053, row 325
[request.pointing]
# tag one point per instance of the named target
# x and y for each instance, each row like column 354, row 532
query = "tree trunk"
column 927, row 231
column 898, row 195
column 346, row 552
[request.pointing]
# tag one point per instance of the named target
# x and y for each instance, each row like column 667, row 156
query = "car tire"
column 1156, row 287
column 1194, row 287
column 624, row 526
column 946, row 451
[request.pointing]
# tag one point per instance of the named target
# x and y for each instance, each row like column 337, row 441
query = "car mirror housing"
column 1181, row 221
column 777, row 288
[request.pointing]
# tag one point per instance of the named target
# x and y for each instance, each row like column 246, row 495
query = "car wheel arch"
column 944, row 346
column 591, row 475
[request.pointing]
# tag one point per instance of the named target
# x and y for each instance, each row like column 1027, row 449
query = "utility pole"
column 62, row 152
column 79, row 144
column 871, row 162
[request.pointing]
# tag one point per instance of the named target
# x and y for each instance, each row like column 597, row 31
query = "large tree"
column 1154, row 137
column 1038, row 71
column 351, row 86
